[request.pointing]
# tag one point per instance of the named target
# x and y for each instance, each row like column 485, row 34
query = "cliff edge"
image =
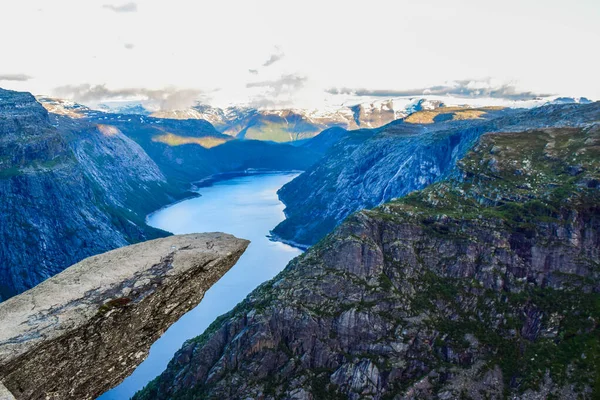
column 82, row 331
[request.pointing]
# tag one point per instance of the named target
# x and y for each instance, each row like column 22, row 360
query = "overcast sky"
column 302, row 53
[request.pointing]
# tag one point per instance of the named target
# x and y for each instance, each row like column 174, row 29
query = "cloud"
column 283, row 84
column 273, row 58
column 15, row 77
column 165, row 99
column 253, row 71
column 123, row 8
column 129, row 46
column 462, row 88
column 277, row 92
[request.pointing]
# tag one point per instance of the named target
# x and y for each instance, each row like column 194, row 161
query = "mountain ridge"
column 365, row 168
column 57, row 204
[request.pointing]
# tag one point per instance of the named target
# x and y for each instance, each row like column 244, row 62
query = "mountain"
column 483, row 285
column 68, row 194
column 64, row 107
column 283, row 125
column 294, row 124
column 188, row 150
column 278, row 125
column 365, row 168
column 124, row 108
column 568, row 100
column 289, row 125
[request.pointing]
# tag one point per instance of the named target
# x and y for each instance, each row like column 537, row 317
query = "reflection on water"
column 246, row 207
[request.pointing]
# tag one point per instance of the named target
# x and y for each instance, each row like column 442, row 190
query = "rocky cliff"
column 485, row 285
column 190, row 150
column 81, row 332
column 67, row 194
column 365, row 168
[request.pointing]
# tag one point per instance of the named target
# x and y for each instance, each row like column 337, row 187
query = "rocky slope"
column 59, row 200
column 190, row 150
column 485, row 285
column 365, row 168
column 186, row 150
column 81, row 332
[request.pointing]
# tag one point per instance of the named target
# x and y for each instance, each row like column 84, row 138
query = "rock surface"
column 190, row 150
column 485, row 285
column 81, row 332
column 366, row 168
column 68, row 194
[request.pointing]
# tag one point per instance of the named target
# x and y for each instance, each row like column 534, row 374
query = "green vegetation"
column 171, row 139
column 448, row 114
column 518, row 178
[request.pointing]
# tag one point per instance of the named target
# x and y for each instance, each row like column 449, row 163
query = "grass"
column 171, row 139
column 447, row 114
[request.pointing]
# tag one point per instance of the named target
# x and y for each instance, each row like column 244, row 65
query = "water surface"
column 246, row 207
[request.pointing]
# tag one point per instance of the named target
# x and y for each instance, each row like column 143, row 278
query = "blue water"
column 246, row 207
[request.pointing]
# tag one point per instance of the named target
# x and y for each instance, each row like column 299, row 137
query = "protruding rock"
column 81, row 332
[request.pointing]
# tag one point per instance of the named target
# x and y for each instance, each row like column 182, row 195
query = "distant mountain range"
column 279, row 125
column 286, row 124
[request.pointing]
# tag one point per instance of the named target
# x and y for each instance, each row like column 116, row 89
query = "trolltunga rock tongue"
column 84, row 330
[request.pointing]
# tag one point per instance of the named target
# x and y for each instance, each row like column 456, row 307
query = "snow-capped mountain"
column 292, row 124
column 63, row 107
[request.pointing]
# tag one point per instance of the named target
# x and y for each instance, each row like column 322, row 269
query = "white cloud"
column 468, row 88
column 273, row 58
column 164, row 99
column 15, row 77
column 122, row 8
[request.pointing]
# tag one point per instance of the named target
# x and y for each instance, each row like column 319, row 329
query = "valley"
column 316, row 200
column 414, row 227
column 482, row 285
column 247, row 207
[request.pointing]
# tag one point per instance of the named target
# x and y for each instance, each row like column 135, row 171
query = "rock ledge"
column 81, row 332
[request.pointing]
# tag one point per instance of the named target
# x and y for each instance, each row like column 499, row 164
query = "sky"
column 298, row 53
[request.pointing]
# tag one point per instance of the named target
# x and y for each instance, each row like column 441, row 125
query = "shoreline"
column 276, row 238
column 223, row 176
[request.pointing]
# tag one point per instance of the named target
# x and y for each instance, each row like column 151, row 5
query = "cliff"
column 485, row 285
column 366, row 168
column 190, row 150
column 67, row 194
column 82, row 331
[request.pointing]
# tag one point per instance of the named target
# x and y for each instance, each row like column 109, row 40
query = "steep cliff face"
column 365, row 168
column 124, row 172
column 81, row 332
column 66, row 195
column 190, row 150
column 484, row 285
